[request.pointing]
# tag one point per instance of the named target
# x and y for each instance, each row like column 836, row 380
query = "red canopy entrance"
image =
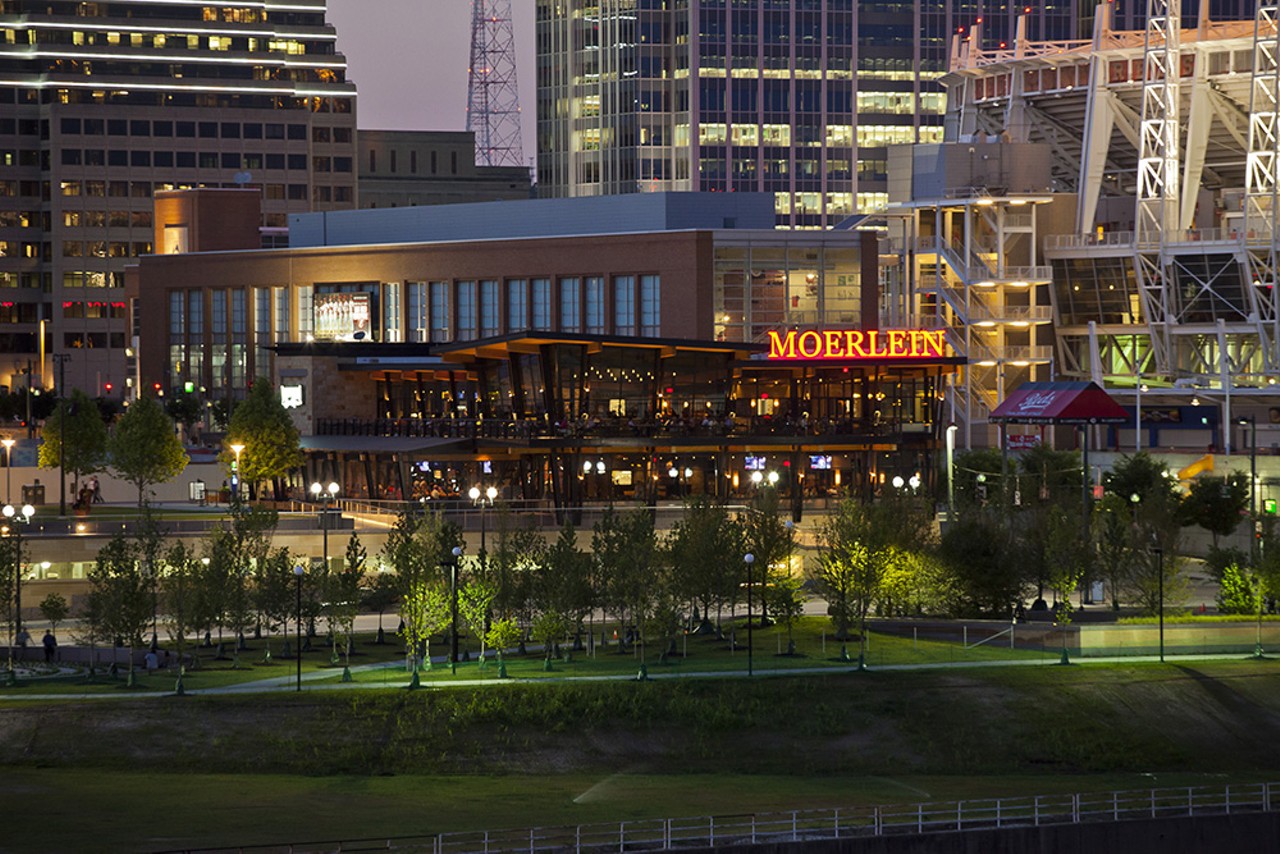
column 1059, row 403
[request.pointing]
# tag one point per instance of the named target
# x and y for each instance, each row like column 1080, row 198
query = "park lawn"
column 87, row 810
column 384, row 664
column 815, row 649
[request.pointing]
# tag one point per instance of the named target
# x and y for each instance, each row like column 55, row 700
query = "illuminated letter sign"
column 854, row 344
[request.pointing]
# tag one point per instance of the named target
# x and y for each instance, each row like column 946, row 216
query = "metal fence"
column 808, row 825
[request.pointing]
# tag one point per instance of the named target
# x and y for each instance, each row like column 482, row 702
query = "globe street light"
column 236, row 448
column 298, row 572
column 481, row 500
column 324, row 495
column 15, row 519
column 749, row 559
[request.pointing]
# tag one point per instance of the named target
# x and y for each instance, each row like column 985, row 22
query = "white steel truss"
column 1262, row 179
column 1158, row 161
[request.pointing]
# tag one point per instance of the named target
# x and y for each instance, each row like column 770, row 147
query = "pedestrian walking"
column 97, row 489
column 50, row 646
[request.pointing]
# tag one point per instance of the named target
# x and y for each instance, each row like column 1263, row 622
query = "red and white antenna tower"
column 493, row 101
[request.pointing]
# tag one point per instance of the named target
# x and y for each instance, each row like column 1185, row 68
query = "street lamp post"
column 16, row 519
column 1252, row 423
column 297, row 574
column 8, row 468
column 481, row 500
column 951, row 472
column 453, row 595
column 1159, row 556
column 749, row 559
column 1137, row 418
column 235, row 474
column 324, row 495
column 59, row 359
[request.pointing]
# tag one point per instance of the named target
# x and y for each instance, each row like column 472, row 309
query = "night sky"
column 408, row 59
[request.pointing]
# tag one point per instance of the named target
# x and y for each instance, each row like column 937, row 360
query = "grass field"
column 157, row 811
column 149, row 773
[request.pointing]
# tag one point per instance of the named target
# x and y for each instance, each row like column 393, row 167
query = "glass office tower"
column 102, row 104
column 798, row 98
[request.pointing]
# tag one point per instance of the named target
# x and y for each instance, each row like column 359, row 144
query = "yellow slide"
column 1201, row 465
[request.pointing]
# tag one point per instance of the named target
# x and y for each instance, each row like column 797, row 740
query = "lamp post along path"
column 297, row 573
column 324, row 495
column 8, row 469
column 453, row 628
column 748, row 559
column 14, row 520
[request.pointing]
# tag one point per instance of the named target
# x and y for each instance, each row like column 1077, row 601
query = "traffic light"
column 1269, row 506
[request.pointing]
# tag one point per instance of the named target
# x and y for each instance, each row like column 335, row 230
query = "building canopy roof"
column 1059, row 403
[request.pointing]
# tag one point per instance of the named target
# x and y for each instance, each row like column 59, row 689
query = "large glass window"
column 650, row 306
column 417, row 326
column 439, row 311
column 594, row 294
column 624, row 305
column 391, row 328
column 177, row 317
column 541, row 303
column 517, row 305
column 570, row 305
column 195, row 314
column 306, row 317
column 490, row 309
column 466, row 311
column 281, row 321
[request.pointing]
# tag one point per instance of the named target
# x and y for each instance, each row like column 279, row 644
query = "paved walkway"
column 278, row 684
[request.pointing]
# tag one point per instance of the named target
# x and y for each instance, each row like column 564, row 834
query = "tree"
column 1157, row 576
column 861, row 543
column 184, row 409
column 706, row 551
column 562, row 587
column 55, row 609
column 425, row 611
column 1068, row 556
column 78, row 422
column 1144, row 476
column 1116, row 550
column 988, row 576
column 502, row 635
column 1216, row 504
column 785, row 601
column 143, row 449
column 517, row 552
column 380, row 596
column 771, row 540
column 272, row 445
column 120, row 594
column 178, row 585
column 1239, row 591
column 342, row 595
column 274, row 593
column 625, row 549
column 474, row 601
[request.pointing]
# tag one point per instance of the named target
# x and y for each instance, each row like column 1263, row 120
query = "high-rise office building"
column 103, row 104
column 799, row 98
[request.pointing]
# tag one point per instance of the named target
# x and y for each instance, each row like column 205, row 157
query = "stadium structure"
column 1104, row 209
